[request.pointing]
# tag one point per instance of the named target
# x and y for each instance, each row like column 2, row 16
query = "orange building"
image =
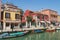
column 59, row 18
column 52, row 15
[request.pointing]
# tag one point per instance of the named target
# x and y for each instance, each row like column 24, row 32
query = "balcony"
column 17, row 19
column 7, row 19
column 13, row 21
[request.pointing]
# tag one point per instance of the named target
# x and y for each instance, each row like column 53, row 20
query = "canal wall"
column 21, row 29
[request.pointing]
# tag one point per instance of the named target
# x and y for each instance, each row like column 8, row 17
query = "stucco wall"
column 12, row 15
column 58, row 18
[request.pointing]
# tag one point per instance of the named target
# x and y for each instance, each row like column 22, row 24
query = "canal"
column 39, row 36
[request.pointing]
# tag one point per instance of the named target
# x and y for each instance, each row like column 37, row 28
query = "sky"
column 36, row 5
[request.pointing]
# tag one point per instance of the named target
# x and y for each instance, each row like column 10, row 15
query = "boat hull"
column 50, row 30
column 13, row 34
column 38, row 31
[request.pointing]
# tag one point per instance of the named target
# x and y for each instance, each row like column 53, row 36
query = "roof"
column 49, row 10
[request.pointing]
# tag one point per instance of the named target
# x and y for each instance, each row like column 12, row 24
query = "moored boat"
column 39, row 30
column 57, row 28
column 13, row 34
column 51, row 29
column 43, row 29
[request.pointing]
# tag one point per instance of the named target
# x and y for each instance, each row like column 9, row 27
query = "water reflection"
column 39, row 36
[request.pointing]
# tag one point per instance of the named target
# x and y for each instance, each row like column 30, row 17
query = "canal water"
column 39, row 36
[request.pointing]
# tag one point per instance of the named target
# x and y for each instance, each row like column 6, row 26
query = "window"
column 43, row 18
column 2, row 15
column 38, row 17
column 31, row 12
column 23, row 24
column 7, row 15
column 7, row 24
column 16, row 24
column 17, row 16
column 33, row 23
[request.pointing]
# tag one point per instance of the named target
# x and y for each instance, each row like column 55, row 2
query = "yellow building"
column 10, row 16
column 58, row 18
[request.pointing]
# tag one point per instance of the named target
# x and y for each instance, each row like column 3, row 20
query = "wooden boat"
column 57, row 28
column 50, row 29
column 43, row 29
column 39, row 31
column 13, row 34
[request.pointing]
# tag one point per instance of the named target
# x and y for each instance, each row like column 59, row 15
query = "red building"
column 37, row 17
column 44, row 16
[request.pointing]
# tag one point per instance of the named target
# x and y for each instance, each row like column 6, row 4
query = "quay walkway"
column 22, row 29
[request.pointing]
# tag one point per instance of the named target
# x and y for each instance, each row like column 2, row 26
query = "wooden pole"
column 36, row 22
column 26, row 22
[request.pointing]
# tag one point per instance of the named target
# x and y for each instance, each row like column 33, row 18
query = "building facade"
column 37, row 18
column 59, row 18
column 52, row 15
column 43, row 17
column 10, row 16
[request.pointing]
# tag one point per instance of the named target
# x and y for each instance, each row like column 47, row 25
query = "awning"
column 48, row 21
column 42, row 21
